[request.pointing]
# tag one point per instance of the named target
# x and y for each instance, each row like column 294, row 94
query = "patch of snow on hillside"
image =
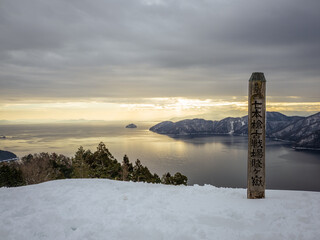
column 232, row 127
column 106, row 209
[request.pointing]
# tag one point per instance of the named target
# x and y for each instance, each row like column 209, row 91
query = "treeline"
column 37, row 168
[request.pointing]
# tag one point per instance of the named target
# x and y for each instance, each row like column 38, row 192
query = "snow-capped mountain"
column 303, row 131
column 276, row 121
column 185, row 127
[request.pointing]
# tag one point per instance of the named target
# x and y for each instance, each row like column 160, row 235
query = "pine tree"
column 80, row 163
column 179, row 179
column 142, row 174
column 127, row 169
column 166, row 178
column 104, row 165
column 10, row 176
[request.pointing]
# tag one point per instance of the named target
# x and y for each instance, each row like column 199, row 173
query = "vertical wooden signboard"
column 256, row 136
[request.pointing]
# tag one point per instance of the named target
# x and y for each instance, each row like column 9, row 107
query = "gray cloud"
column 125, row 48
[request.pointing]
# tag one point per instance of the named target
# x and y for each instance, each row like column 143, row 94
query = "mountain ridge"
column 303, row 132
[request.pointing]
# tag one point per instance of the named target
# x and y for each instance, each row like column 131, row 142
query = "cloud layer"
column 152, row 48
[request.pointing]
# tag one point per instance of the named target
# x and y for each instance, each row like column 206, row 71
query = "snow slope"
column 106, row 209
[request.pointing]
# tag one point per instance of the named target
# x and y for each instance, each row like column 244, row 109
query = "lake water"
column 217, row 160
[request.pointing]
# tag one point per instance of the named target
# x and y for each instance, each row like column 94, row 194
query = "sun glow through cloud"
column 144, row 109
column 154, row 60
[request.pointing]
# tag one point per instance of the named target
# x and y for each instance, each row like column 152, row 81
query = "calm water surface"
column 216, row 160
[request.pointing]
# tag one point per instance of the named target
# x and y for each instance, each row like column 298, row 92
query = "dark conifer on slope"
column 101, row 164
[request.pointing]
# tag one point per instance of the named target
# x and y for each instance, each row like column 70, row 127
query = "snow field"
column 107, row 209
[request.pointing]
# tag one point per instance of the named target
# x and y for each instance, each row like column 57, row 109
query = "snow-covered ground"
column 106, row 209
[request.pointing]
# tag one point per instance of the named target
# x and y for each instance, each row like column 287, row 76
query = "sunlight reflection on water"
column 216, row 160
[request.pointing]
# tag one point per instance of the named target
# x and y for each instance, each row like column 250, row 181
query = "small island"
column 131, row 125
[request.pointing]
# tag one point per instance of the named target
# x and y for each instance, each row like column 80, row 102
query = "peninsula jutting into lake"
column 301, row 132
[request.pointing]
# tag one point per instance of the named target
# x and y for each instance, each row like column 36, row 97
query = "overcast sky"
column 122, row 51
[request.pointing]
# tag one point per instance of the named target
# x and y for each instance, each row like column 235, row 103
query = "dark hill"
column 4, row 155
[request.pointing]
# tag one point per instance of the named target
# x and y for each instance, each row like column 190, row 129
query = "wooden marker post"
column 256, row 136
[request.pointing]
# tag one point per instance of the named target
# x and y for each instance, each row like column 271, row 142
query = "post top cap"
column 257, row 76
